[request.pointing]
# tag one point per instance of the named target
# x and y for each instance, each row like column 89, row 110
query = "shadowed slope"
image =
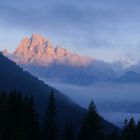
column 13, row 77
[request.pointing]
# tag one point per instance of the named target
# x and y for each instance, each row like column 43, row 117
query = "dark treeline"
column 19, row 121
column 18, row 118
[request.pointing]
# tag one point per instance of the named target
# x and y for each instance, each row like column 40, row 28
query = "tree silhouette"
column 129, row 131
column 138, row 131
column 50, row 122
column 19, row 121
column 18, row 118
column 91, row 128
column 32, row 121
column 113, row 136
column 3, row 114
column 68, row 132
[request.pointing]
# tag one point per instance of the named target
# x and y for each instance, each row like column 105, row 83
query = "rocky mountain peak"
column 38, row 50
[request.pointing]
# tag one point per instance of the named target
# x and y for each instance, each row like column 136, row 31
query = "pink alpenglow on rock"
column 37, row 50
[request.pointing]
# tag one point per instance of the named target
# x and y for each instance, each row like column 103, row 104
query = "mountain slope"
column 13, row 77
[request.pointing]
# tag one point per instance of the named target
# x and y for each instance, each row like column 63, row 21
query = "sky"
column 108, row 30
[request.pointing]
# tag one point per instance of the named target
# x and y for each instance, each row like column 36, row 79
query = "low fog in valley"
column 114, row 102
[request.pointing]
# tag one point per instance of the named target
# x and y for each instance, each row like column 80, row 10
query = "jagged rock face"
column 40, row 51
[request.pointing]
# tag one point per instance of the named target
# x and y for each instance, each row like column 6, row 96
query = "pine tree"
column 18, row 118
column 14, row 122
column 138, row 131
column 22, row 122
column 91, row 128
column 129, row 131
column 68, row 132
column 113, row 136
column 3, row 114
column 50, row 122
column 32, row 121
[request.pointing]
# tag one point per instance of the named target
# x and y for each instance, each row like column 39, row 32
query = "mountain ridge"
column 127, row 78
column 40, row 51
column 44, row 60
column 47, row 61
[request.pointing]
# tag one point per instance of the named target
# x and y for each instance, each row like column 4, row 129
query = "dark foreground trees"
column 131, row 130
column 50, row 122
column 91, row 128
column 19, row 121
column 68, row 133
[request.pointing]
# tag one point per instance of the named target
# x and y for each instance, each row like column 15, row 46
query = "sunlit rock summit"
column 39, row 50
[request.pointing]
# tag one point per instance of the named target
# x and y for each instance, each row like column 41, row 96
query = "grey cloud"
column 62, row 12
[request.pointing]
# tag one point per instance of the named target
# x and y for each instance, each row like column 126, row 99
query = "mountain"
column 39, row 51
column 13, row 77
column 41, row 58
column 129, row 77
